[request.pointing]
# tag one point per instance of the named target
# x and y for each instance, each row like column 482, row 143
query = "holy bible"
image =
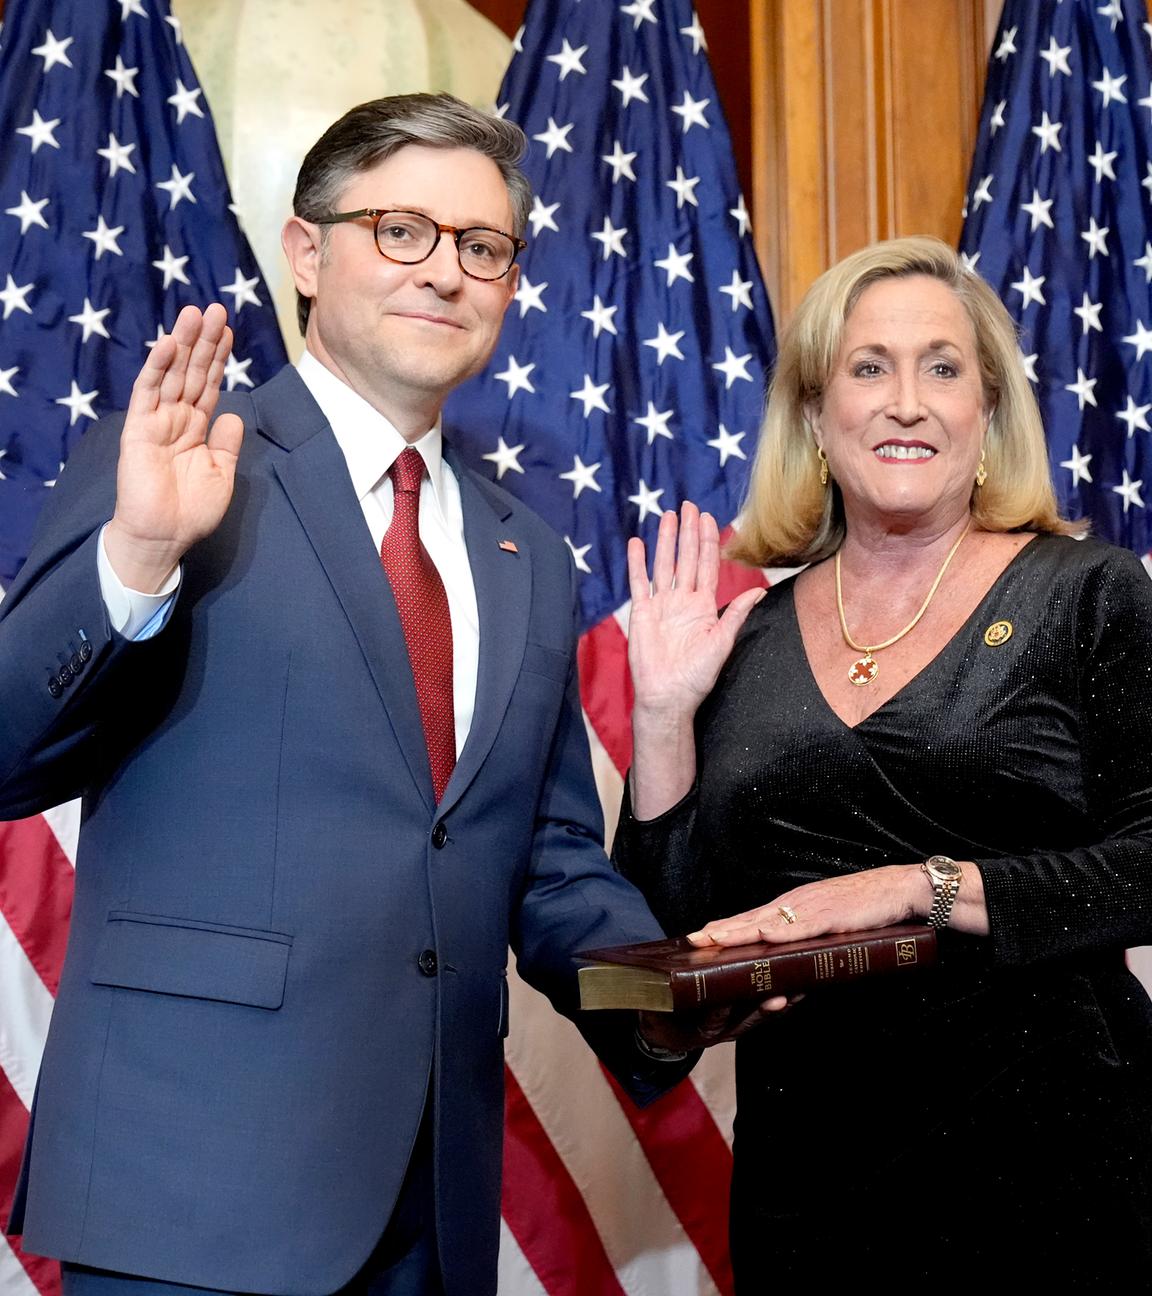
column 673, row 975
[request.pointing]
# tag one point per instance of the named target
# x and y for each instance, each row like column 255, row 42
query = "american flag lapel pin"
column 509, row 546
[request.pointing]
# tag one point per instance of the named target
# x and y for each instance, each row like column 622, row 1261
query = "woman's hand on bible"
column 676, row 642
column 875, row 897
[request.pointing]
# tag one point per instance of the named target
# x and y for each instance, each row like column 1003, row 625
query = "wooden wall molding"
column 864, row 121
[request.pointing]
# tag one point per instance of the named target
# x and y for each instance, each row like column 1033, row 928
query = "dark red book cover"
column 669, row 975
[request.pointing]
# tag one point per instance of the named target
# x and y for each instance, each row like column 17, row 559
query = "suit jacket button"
column 55, row 687
column 427, row 963
column 439, row 835
column 77, row 663
column 85, row 651
column 65, row 676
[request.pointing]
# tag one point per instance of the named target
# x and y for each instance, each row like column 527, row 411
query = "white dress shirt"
column 370, row 445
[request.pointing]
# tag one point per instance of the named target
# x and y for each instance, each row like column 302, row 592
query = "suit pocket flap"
column 177, row 956
column 541, row 660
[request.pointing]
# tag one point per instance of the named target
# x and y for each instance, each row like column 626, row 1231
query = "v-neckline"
column 961, row 630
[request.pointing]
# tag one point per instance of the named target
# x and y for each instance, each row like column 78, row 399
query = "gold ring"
column 787, row 913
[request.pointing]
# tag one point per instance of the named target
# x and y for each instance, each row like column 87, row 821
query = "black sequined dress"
column 990, row 1122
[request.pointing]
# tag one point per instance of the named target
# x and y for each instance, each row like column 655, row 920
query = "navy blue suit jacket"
column 279, row 940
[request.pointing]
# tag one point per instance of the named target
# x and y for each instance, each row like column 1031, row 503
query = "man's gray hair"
column 373, row 131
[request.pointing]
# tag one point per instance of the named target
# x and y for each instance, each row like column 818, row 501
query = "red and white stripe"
column 601, row 1198
column 37, row 857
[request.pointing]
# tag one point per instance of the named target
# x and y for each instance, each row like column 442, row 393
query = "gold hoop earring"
column 824, row 474
column 981, row 471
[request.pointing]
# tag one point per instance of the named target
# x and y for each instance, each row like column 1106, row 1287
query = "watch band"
column 944, row 874
column 656, row 1053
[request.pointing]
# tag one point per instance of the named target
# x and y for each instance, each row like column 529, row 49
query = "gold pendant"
column 864, row 671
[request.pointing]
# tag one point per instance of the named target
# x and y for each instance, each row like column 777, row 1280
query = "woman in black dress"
column 946, row 716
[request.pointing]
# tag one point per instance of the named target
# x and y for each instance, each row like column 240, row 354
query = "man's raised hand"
column 174, row 479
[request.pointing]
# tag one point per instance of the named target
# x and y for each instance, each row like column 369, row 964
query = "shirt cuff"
column 133, row 615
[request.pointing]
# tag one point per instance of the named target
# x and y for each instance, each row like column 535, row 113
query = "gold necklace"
column 865, row 669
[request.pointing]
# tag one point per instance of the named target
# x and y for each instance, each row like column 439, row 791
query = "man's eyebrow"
column 423, row 211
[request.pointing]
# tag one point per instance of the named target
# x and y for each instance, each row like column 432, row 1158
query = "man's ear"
column 301, row 241
column 513, row 282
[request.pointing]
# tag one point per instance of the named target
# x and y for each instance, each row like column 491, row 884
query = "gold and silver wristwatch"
column 945, row 875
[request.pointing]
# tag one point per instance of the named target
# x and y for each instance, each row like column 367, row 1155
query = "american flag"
column 601, row 1198
column 629, row 377
column 114, row 212
column 1058, row 220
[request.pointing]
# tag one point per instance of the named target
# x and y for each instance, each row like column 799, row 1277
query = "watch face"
column 944, row 869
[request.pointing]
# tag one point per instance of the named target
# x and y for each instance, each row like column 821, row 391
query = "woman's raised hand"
column 676, row 642
column 174, row 480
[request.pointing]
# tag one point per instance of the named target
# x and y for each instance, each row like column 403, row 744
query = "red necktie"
column 423, row 607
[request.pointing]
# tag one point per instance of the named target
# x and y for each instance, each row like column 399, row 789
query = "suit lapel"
column 503, row 580
column 315, row 478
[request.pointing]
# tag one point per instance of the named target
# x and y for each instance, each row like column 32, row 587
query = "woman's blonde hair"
column 788, row 515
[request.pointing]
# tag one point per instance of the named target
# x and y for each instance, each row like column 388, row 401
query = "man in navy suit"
column 322, row 710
